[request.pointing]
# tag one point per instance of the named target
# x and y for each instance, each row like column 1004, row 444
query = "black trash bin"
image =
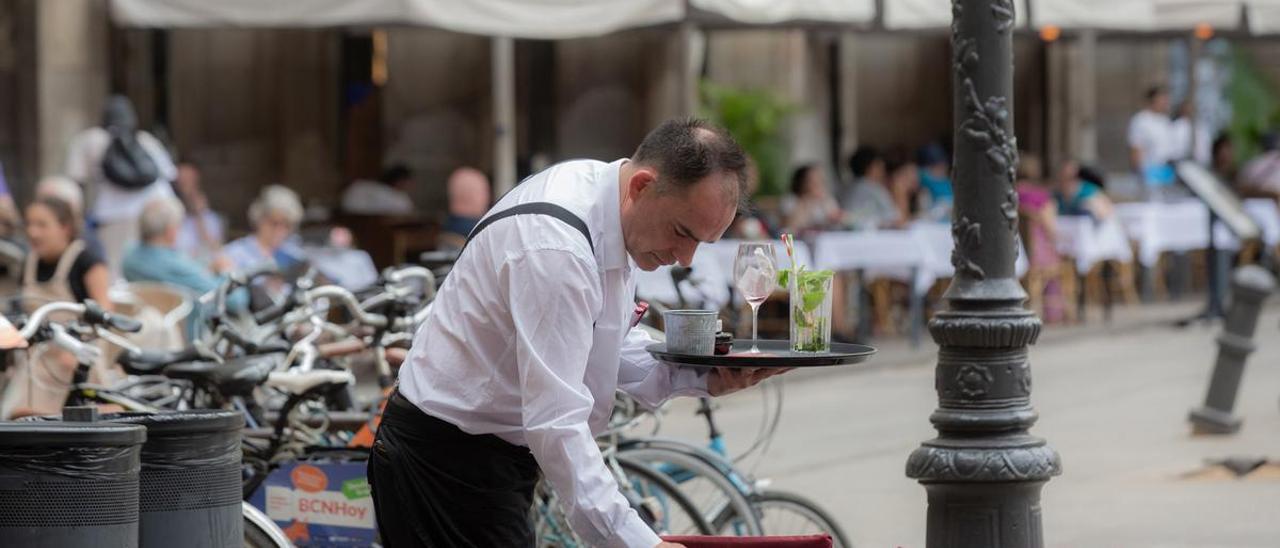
column 69, row 484
column 191, row 478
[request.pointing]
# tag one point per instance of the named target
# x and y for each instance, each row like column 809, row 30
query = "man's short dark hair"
column 862, row 159
column 395, row 174
column 687, row 150
column 1154, row 91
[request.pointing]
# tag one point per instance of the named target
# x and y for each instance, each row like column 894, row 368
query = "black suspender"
column 534, row 208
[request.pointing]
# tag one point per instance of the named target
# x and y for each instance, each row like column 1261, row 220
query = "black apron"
column 437, row 486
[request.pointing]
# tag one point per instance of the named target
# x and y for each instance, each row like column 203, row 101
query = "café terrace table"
column 1182, row 226
column 711, row 276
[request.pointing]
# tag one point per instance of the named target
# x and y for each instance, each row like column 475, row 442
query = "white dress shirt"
column 1152, row 134
column 531, row 335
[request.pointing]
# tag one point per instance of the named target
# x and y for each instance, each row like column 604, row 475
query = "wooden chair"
column 1038, row 277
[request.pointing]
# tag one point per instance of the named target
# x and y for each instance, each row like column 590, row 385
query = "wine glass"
column 755, row 272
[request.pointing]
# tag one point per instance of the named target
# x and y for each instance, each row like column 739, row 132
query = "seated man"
column 389, row 195
column 157, row 259
column 469, row 199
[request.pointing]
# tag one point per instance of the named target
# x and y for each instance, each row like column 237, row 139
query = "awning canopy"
column 545, row 19
column 1118, row 15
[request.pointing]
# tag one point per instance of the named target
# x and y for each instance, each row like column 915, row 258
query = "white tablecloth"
column 1090, row 243
column 711, row 276
column 1160, row 227
column 1264, row 212
column 923, row 248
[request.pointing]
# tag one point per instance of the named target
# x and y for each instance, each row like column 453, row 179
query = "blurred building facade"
column 307, row 107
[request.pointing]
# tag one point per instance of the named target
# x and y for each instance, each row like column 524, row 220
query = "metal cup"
column 691, row 331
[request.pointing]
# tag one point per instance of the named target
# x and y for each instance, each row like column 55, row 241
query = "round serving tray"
column 773, row 353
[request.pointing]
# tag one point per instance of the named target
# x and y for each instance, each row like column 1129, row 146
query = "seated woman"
column 812, row 208
column 275, row 216
column 1075, row 196
column 59, row 267
column 1039, row 213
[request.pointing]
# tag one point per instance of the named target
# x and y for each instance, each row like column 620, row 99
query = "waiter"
column 533, row 331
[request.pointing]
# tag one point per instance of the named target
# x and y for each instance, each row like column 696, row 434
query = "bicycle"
column 259, row 532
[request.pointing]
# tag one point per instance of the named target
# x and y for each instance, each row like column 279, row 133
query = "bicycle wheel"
column 260, row 531
column 783, row 513
column 720, row 502
column 660, row 502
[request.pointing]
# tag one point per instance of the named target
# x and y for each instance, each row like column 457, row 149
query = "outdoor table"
column 1165, row 227
column 712, row 275
column 1160, row 227
column 896, row 254
column 1089, row 242
column 1264, row 212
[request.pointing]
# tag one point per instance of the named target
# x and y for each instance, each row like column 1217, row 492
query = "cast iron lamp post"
column 984, row 471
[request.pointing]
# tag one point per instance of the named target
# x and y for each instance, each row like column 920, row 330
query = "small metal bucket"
column 691, row 331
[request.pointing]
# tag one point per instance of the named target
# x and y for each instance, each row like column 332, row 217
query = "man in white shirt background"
column 533, row 331
column 1151, row 140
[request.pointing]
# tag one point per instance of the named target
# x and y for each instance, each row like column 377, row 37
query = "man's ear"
column 642, row 180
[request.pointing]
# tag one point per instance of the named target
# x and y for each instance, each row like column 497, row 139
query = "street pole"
column 1251, row 285
column 984, row 471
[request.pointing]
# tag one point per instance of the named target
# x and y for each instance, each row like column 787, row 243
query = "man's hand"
column 724, row 380
column 669, row 545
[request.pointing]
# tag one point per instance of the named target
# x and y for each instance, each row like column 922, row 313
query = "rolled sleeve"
column 650, row 381
column 553, row 297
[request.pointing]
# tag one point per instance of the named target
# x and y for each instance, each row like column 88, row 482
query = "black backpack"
column 126, row 163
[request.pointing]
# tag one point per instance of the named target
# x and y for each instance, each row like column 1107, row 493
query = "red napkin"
column 806, row 541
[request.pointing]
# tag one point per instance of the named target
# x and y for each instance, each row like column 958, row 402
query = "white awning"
column 547, row 19
column 929, row 14
column 516, row 18
column 763, row 12
column 1094, row 14
column 1186, row 14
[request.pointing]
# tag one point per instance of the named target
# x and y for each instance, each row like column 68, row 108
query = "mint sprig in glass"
column 810, row 305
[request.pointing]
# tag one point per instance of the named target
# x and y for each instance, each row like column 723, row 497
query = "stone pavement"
column 1113, row 401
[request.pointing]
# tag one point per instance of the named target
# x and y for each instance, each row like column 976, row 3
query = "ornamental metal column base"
column 984, row 471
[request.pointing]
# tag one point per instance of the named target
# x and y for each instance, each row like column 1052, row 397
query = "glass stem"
column 755, row 316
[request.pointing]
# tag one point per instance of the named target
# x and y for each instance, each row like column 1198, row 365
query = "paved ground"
column 1113, row 402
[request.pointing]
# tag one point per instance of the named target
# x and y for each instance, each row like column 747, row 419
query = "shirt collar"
column 613, row 249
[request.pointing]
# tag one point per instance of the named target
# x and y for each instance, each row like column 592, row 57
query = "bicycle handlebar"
column 90, row 312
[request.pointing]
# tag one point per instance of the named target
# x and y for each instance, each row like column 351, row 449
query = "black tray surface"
column 773, row 353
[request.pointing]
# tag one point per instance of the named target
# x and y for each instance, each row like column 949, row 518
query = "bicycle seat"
column 148, row 362
column 300, row 382
column 233, row 377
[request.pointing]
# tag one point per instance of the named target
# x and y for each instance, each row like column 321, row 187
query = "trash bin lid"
column 69, row 434
column 182, row 422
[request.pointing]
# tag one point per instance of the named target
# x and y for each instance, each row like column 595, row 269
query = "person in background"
column 1180, row 137
column 1151, row 141
column 1224, row 159
column 1075, row 196
column 389, row 195
column 469, row 199
column 62, row 188
column 157, row 258
column 59, row 266
column 813, row 207
column 274, row 215
column 750, row 223
column 1036, row 206
column 117, row 203
column 935, row 179
column 904, row 182
column 869, row 201
column 10, row 221
column 202, row 230
column 1260, row 177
